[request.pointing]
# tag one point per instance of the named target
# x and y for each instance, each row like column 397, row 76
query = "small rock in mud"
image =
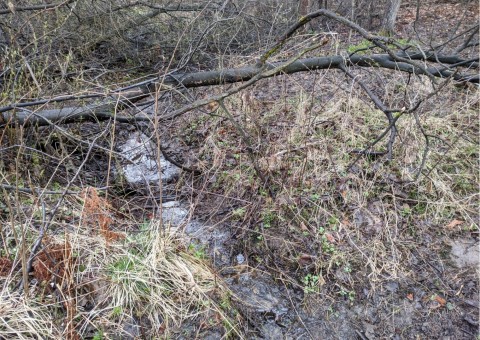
column 368, row 222
column 342, row 276
column 240, row 258
column 131, row 329
column 465, row 253
column 214, row 238
column 271, row 331
column 256, row 293
column 173, row 213
column 369, row 330
column 362, row 218
column 392, row 286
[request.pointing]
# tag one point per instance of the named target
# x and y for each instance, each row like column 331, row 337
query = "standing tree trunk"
column 308, row 6
column 390, row 17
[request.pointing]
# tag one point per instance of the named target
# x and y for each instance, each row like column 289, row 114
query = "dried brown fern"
column 50, row 263
column 97, row 213
column 5, row 266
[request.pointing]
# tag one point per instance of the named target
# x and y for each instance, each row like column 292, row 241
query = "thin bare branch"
column 13, row 9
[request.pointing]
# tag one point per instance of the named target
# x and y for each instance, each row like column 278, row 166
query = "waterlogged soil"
column 437, row 300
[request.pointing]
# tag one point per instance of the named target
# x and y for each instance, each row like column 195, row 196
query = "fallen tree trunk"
column 441, row 66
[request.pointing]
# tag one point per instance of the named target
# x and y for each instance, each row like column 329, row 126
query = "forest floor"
column 370, row 251
column 287, row 233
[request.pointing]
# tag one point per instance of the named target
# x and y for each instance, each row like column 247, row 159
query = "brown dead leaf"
column 212, row 106
column 454, row 223
column 303, row 227
column 410, row 296
column 53, row 261
column 330, row 238
column 440, row 300
column 97, row 213
column 305, row 259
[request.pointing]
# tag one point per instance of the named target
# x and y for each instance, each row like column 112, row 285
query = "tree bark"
column 391, row 17
column 308, row 6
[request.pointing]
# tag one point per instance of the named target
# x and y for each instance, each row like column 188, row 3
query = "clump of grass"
column 87, row 282
column 151, row 279
column 26, row 318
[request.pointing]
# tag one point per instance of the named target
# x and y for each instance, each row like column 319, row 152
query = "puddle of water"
column 140, row 165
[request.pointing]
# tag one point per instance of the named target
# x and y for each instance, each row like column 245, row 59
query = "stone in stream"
column 174, row 214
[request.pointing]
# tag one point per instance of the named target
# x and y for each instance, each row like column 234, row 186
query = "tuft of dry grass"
column 85, row 282
column 26, row 318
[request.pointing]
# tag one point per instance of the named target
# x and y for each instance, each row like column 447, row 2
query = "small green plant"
column 349, row 294
column 327, row 246
column 347, row 268
column 98, row 335
column 117, row 311
column 225, row 301
column 239, row 213
column 263, row 192
column 121, row 266
column 406, row 211
column 268, row 218
column 198, row 251
column 311, row 284
column 333, row 223
column 420, row 208
column 470, row 227
column 332, row 312
column 125, row 273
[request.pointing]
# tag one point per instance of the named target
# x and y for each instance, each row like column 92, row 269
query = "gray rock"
column 392, row 286
column 272, row 331
column 465, row 253
column 240, row 258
